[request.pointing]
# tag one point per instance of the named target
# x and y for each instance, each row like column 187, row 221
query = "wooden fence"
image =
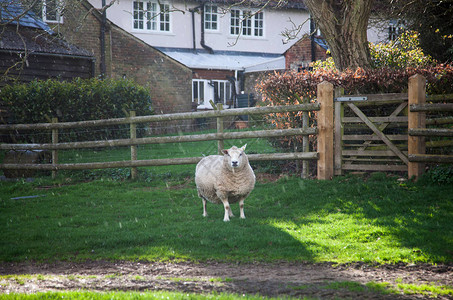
column 324, row 106
column 379, row 133
column 417, row 130
column 394, row 142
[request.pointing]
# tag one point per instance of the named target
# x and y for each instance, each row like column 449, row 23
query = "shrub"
column 78, row 100
column 402, row 53
column 440, row 174
column 290, row 87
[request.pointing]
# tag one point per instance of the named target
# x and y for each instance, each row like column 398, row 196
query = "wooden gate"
column 371, row 133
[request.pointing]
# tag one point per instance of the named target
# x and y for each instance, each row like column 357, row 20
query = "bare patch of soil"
column 266, row 279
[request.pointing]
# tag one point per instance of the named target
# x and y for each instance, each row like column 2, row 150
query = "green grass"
column 344, row 220
column 133, row 295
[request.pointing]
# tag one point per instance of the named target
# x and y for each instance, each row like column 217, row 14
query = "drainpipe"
column 312, row 39
column 102, row 39
column 193, row 11
column 202, row 42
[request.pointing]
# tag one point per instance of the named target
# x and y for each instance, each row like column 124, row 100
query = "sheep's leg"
column 230, row 212
column 205, row 214
column 227, row 207
column 241, row 208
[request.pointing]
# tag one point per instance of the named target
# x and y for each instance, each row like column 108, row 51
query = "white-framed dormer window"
column 219, row 91
column 211, row 17
column 49, row 10
column 247, row 23
column 152, row 16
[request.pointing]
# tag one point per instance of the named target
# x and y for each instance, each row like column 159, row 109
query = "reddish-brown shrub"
column 291, row 87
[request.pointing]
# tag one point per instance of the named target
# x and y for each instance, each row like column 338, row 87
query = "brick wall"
column 299, row 55
column 169, row 81
column 212, row 74
column 128, row 57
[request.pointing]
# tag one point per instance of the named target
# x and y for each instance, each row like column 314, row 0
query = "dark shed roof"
column 32, row 34
column 11, row 10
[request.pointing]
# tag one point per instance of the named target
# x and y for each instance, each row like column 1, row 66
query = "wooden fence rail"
column 166, row 117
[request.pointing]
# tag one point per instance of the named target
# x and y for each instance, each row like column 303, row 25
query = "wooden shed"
column 30, row 50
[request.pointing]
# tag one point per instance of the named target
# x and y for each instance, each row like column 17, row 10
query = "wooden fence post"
column 133, row 133
column 339, row 131
column 416, row 144
column 54, row 152
column 325, row 131
column 305, row 141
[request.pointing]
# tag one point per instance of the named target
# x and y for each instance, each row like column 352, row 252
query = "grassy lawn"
column 344, row 220
column 100, row 214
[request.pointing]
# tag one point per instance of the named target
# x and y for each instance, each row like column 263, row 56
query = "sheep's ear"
column 243, row 147
column 225, row 151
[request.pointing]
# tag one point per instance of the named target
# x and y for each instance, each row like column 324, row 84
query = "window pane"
column 235, row 21
column 165, row 17
column 195, row 91
column 138, row 15
column 227, row 91
column 259, row 20
column 222, row 92
column 246, row 23
column 210, row 17
column 201, row 92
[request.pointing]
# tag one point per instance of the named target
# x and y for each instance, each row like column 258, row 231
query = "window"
column 222, row 92
column 49, row 10
column 235, row 24
column 219, row 91
column 395, row 29
column 247, row 23
column 198, row 92
column 210, row 17
column 151, row 16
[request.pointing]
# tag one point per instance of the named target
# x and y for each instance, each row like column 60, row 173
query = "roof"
column 321, row 42
column 11, row 10
column 33, row 35
column 294, row 4
column 226, row 60
column 36, row 41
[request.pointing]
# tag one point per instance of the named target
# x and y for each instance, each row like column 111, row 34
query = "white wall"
column 378, row 31
column 180, row 35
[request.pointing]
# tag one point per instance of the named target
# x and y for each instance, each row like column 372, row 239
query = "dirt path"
column 292, row 279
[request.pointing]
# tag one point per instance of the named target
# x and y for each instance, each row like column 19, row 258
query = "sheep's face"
column 234, row 156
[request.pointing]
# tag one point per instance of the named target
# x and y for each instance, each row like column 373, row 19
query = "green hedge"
column 78, row 100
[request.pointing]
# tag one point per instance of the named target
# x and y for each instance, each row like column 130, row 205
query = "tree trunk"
column 344, row 23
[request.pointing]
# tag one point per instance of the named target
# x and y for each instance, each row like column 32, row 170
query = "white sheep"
column 225, row 179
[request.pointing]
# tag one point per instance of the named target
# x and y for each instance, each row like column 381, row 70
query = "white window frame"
column 58, row 11
column 247, row 23
column 151, row 16
column 203, row 91
column 211, row 17
column 198, row 91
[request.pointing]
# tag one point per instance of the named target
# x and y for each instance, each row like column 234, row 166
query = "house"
column 30, row 50
column 187, row 52
column 220, row 41
column 190, row 51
